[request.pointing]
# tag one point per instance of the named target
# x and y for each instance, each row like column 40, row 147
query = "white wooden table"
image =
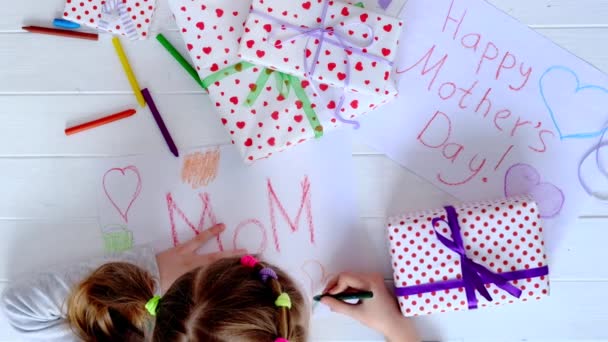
column 48, row 211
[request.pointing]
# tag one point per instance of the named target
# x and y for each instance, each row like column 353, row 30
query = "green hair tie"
column 283, row 301
column 152, row 305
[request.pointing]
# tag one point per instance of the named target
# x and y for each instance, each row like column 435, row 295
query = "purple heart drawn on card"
column 123, row 209
column 524, row 179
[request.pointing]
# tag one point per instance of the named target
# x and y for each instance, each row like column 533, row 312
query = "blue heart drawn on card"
column 563, row 132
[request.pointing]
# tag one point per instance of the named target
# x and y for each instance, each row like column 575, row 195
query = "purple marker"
column 159, row 121
column 384, row 3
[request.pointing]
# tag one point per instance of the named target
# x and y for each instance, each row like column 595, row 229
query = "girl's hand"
column 175, row 262
column 380, row 313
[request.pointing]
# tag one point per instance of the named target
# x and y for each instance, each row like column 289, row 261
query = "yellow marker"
column 130, row 75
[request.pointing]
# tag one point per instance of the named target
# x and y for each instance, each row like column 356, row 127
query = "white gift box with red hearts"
column 277, row 119
column 330, row 41
column 498, row 239
column 129, row 18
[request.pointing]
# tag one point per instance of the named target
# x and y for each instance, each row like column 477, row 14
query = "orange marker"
column 100, row 122
column 61, row 33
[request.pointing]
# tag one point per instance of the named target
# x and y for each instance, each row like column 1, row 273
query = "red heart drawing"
column 123, row 210
column 363, row 17
column 219, row 12
column 331, row 66
column 306, row 5
column 207, row 50
column 240, row 124
column 386, row 51
column 260, row 53
column 524, row 179
column 388, row 27
column 359, row 66
column 200, row 25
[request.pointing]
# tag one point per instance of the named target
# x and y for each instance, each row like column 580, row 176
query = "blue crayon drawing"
column 579, row 88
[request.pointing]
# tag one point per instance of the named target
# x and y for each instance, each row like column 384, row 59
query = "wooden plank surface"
column 92, row 67
column 553, row 13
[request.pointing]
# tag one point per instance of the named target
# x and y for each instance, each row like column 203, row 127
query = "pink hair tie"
column 249, row 261
column 280, row 339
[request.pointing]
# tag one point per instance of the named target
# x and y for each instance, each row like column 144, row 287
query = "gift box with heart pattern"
column 264, row 112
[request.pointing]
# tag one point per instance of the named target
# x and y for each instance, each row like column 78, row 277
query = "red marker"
column 61, row 33
column 100, row 122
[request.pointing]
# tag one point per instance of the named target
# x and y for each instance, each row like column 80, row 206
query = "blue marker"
column 65, row 24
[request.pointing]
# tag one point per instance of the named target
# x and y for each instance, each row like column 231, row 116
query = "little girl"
column 215, row 297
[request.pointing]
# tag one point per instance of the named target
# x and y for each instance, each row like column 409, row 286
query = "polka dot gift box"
column 468, row 256
column 263, row 111
column 129, row 18
column 329, row 41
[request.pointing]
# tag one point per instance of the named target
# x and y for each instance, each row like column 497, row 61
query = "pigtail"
column 110, row 305
column 283, row 311
column 283, row 301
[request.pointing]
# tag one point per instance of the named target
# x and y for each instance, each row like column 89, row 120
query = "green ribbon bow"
column 284, row 83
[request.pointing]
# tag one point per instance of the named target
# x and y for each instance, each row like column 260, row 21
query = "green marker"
column 347, row 296
column 179, row 58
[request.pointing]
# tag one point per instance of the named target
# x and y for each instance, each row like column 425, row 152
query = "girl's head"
column 229, row 300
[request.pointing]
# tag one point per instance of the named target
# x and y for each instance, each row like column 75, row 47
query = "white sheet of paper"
column 296, row 209
column 489, row 108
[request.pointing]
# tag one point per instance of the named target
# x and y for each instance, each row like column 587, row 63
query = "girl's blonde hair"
column 225, row 301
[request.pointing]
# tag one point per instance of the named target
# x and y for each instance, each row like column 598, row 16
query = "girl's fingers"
column 338, row 306
column 199, row 240
column 331, row 284
column 347, row 281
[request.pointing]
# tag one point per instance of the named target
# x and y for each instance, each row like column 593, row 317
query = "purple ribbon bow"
column 474, row 276
column 343, row 41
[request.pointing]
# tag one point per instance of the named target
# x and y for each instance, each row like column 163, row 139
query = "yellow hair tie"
column 283, row 301
column 152, row 305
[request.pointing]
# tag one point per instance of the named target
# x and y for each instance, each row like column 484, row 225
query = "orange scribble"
column 200, row 169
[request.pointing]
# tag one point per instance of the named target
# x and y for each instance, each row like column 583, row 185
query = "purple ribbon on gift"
column 474, row 276
column 343, row 41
